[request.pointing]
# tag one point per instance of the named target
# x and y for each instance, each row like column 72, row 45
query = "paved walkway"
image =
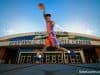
column 48, row 69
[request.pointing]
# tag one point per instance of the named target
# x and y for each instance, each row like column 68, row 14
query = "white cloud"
column 20, row 27
column 76, row 27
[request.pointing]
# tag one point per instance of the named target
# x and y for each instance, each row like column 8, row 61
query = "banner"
column 33, row 42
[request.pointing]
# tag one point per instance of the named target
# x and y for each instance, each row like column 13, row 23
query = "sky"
column 22, row 16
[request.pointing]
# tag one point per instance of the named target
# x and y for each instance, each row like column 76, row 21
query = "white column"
column 82, row 56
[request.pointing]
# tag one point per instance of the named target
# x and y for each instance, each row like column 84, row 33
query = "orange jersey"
column 51, row 40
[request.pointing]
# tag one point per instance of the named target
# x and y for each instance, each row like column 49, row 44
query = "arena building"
column 27, row 47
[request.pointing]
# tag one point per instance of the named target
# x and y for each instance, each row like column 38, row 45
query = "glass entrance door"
column 56, row 57
column 25, row 58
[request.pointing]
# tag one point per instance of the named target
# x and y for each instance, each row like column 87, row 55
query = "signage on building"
column 39, row 33
column 33, row 42
column 76, row 42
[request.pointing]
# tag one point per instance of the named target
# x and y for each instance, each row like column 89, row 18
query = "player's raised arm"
column 42, row 7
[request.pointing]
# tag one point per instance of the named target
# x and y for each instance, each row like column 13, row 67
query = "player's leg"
column 47, row 44
column 53, row 39
column 52, row 42
column 55, row 42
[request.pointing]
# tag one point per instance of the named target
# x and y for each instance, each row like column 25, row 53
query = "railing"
column 49, row 57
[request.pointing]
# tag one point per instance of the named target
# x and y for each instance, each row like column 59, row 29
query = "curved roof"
column 44, row 33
